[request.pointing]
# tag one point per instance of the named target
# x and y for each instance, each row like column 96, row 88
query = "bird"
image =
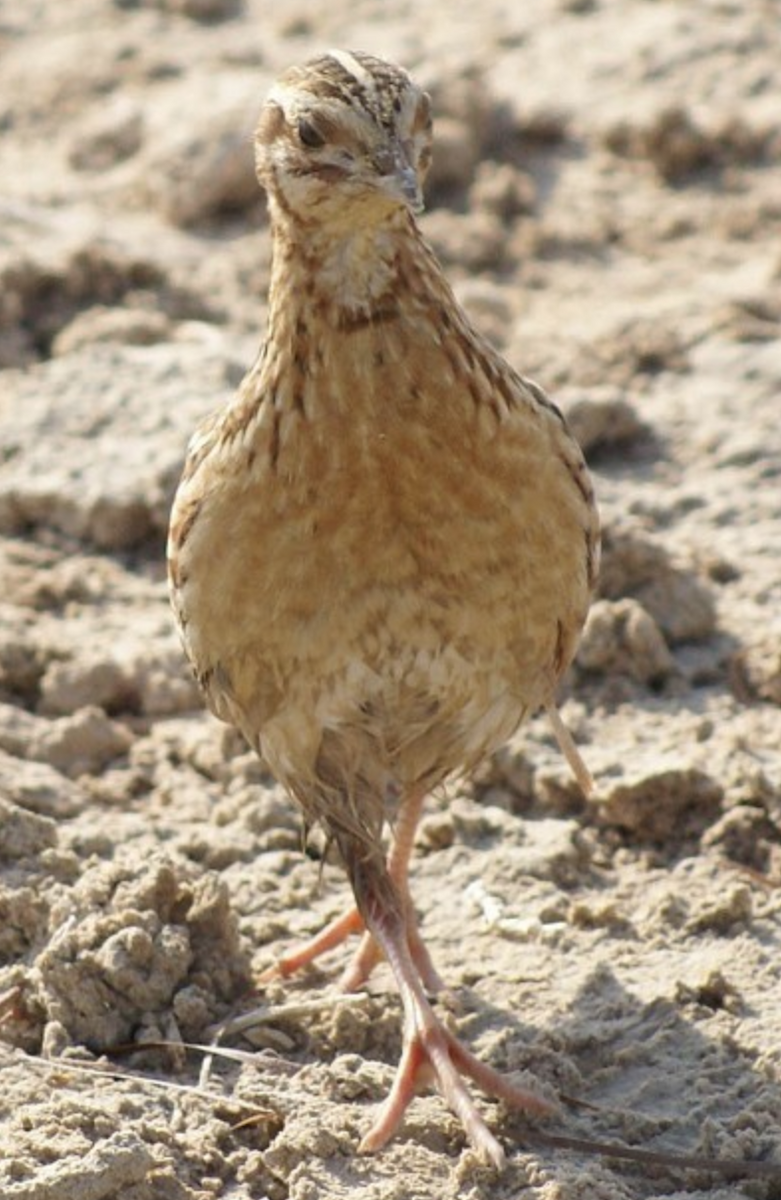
column 383, row 548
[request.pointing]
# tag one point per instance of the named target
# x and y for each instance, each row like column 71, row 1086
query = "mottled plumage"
column 382, row 551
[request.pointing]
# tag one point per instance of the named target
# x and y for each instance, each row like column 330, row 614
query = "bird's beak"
column 408, row 183
column 399, row 177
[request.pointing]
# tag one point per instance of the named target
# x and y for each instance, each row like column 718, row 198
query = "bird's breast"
column 380, row 537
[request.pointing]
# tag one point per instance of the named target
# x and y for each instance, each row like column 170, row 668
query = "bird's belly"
column 412, row 716
column 419, row 666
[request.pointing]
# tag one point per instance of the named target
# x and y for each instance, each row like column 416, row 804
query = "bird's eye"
column 308, row 135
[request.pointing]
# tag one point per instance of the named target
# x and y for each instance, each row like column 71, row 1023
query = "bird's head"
column 345, row 136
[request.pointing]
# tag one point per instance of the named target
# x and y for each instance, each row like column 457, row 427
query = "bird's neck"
column 347, row 273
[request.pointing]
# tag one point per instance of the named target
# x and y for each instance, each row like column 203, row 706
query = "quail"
column 383, row 549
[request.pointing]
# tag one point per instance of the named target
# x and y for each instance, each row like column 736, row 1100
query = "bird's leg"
column 430, row 1052
column 368, row 952
column 570, row 750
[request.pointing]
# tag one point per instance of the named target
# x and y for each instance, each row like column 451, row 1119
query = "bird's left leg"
column 368, row 952
column 430, row 1052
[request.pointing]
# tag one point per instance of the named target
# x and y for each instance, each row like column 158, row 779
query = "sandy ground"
column 607, row 199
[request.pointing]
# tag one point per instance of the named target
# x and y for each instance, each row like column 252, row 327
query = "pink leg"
column 429, row 1050
column 430, row 1053
column 368, row 953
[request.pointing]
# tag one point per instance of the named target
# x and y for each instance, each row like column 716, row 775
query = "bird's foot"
column 363, row 961
column 327, row 939
column 432, row 1054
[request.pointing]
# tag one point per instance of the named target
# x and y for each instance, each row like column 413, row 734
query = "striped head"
column 344, row 136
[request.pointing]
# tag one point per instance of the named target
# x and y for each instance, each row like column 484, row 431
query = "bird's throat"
column 348, row 273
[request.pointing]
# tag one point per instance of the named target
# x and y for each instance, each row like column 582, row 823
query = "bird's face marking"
column 344, row 121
